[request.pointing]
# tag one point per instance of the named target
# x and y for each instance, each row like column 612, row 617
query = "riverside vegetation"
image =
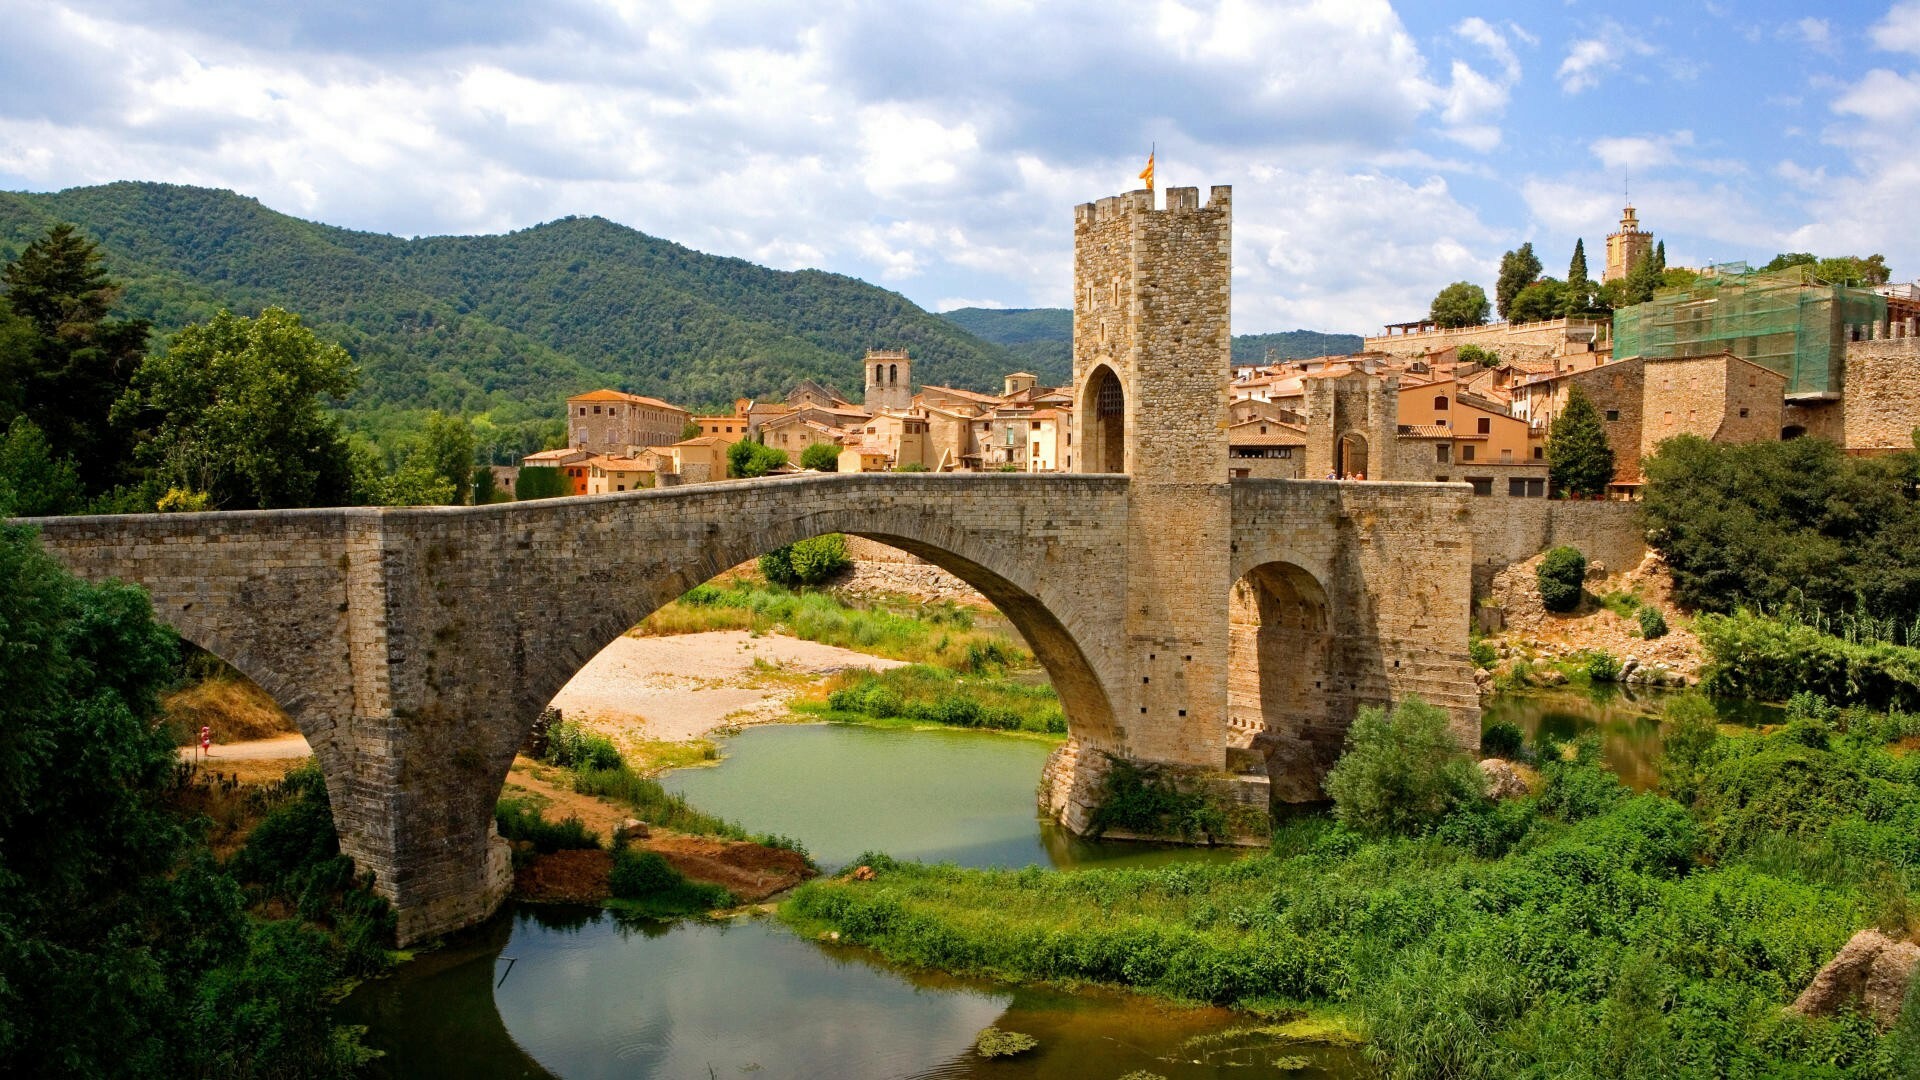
column 131, row 944
column 1578, row 931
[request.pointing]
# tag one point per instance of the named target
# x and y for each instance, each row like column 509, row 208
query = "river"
column 545, row 991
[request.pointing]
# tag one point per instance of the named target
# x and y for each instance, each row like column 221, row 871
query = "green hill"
column 1042, row 339
column 509, row 323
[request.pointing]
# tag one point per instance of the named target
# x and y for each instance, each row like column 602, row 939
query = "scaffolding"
column 1786, row 320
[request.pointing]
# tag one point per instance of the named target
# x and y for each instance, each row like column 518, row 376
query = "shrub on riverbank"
column 942, row 634
column 1772, row 658
column 935, row 696
column 814, row 561
column 651, row 884
column 655, row 805
column 1402, row 772
column 572, row 745
column 1610, row 935
column 1562, row 576
column 520, row 819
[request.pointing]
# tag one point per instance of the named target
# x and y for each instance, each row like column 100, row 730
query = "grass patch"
column 655, row 756
column 228, row 702
column 655, row 805
column 520, row 819
column 942, row 634
column 933, row 695
column 644, row 882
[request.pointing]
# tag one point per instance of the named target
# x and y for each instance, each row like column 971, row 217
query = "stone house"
column 698, row 460
column 863, row 457
column 1263, row 449
column 1878, row 403
column 607, row 473
column 610, row 422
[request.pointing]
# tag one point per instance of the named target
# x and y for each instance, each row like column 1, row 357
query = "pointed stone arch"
column 1102, row 410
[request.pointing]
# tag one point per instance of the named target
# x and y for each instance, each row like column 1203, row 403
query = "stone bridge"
column 415, row 647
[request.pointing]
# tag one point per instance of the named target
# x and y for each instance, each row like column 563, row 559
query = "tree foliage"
column 446, row 444
column 1547, row 298
column 1474, row 354
column 1519, row 268
column 540, row 482
column 1579, row 459
column 814, row 561
column 63, row 362
column 1796, row 524
column 1460, row 304
column 1403, row 771
column 35, row 482
column 1839, row 269
column 235, row 407
column 748, row 459
column 124, row 949
column 821, row 457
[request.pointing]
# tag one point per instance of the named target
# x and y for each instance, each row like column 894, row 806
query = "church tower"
column 1627, row 247
column 889, row 380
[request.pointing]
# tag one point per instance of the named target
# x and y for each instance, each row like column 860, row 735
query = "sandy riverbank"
column 682, row 687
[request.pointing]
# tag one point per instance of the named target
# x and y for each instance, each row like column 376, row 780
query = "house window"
column 1486, row 425
column 1442, row 453
column 1743, row 414
column 1613, row 416
column 1440, row 403
column 1539, row 452
column 1036, row 425
column 583, row 410
column 596, row 410
column 1523, row 488
column 1466, row 452
column 1506, row 457
column 1482, row 485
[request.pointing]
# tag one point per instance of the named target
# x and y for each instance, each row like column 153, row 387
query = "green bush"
column 1652, row 623
column 911, row 466
column 519, row 819
column 747, row 459
column 540, row 482
column 1402, row 771
column 1482, row 652
column 812, row 561
column 648, row 880
column 1771, row 659
column 821, row 457
column 572, row 746
column 935, row 696
column 1143, row 799
column 1562, row 576
column 1689, row 742
column 1602, row 666
column 1502, row 740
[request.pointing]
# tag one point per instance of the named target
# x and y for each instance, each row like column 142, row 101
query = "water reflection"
column 1627, row 720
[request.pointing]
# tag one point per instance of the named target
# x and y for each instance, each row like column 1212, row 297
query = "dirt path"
column 280, row 746
column 748, row 871
column 681, row 687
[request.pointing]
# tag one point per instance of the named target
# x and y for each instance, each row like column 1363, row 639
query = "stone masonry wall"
column 1505, row 532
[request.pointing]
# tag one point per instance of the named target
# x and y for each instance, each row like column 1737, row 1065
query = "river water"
column 544, row 991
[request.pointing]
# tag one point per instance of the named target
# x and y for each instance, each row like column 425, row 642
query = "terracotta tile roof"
column 967, row 395
column 562, row 454
column 703, row 440
column 618, row 396
column 1426, row 431
column 1248, row 433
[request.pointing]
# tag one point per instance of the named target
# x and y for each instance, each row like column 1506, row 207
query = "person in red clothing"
column 206, row 741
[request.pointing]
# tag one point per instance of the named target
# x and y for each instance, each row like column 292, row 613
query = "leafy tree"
column 540, row 482
column 690, row 430
column 1474, row 354
column 1519, row 268
column 1641, row 282
column 235, row 408
column 809, row 562
column 34, row 482
column 1787, row 524
column 1579, row 461
column 749, row 459
column 1790, row 258
column 1853, row 270
column 1562, row 578
column 63, row 362
column 1459, row 304
column 1402, row 771
column 1678, row 277
column 1548, row 298
column 821, row 457
column 484, row 490
column 447, row 445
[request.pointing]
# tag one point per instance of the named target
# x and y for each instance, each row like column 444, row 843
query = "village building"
column 698, row 460
column 611, row 422
column 607, row 473
column 571, row 461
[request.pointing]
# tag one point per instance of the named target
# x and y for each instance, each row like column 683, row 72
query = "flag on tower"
column 1147, row 173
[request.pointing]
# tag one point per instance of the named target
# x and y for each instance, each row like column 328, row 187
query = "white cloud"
column 1900, row 30
column 1590, row 59
column 1882, row 96
column 1482, row 33
column 1639, row 153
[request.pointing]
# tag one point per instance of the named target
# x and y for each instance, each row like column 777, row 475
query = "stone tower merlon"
column 1152, row 295
column 889, row 374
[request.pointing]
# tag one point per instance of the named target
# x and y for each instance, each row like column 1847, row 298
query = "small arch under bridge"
column 415, row 647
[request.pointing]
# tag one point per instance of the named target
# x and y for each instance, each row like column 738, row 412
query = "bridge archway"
column 1279, row 682
column 1103, row 422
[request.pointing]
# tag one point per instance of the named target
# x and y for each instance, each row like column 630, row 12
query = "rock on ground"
column 1503, row 780
column 1872, row 969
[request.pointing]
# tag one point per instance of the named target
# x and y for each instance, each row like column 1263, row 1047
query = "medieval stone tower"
column 889, row 380
column 1627, row 247
column 1151, row 366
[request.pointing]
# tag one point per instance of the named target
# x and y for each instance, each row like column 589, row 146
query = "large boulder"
column 1871, row 969
column 1503, row 780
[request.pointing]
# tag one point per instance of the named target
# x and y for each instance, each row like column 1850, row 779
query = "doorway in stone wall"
column 1103, row 414
column 1352, row 458
column 1278, row 677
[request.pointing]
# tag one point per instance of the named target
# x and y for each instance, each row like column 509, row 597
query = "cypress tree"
column 1577, row 269
column 1579, row 461
column 1660, row 255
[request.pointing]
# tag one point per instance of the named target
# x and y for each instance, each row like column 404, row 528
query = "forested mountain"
column 505, row 323
column 1042, row 338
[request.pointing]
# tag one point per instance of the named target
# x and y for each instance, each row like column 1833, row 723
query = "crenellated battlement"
column 1140, row 201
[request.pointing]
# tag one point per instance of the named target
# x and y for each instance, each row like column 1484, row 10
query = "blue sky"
column 1378, row 151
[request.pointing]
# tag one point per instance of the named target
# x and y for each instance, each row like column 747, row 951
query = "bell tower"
column 889, row 380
